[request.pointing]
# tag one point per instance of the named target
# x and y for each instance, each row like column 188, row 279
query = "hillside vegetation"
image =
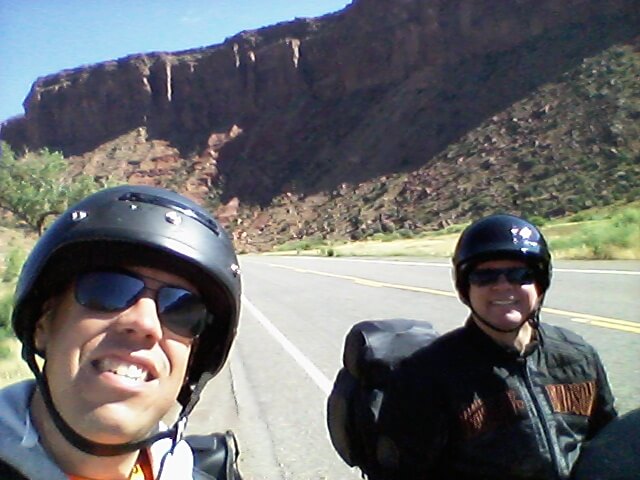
column 573, row 144
column 605, row 233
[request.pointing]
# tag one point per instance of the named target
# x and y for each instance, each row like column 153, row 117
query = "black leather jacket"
column 467, row 408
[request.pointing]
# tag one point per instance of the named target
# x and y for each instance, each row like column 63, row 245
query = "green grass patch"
column 616, row 237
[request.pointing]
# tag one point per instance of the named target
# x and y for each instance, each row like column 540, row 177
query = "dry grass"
column 440, row 246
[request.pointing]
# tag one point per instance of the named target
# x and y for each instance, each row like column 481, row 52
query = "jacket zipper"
column 542, row 418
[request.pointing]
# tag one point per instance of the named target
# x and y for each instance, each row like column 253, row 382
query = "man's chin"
column 507, row 323
column 111, row 424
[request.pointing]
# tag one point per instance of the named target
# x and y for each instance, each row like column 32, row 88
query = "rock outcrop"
column 377, row 88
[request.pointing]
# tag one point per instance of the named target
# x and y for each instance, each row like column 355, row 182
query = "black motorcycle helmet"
column 142, row 226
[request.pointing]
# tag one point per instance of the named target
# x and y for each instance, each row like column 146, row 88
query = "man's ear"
column 194, row 347
column 43, row 327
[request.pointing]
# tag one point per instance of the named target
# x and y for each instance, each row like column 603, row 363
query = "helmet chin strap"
column 82, row 443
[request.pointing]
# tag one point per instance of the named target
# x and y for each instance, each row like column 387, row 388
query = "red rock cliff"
column 376, row 88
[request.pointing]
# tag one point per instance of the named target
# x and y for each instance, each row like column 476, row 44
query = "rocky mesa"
column 308, row 109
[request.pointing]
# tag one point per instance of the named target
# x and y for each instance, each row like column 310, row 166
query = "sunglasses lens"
column 181, row 311
column 489, row 276
column 107, row 291
column 521, row 276
column 485, row 276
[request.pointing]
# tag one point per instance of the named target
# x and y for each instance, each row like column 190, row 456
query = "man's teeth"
column 134, row 372
column 503, row 302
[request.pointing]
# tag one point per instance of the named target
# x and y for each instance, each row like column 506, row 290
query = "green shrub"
column 329, row 252
column 356, row 235
column 13, row 263
column 629, row 217
column 537, row 220
column 405, row 233
column 580, row 217
column 633, row 194
column 455, row 228
column 6, row 307
column 36, row 185
column 389, row 237
column 301, row 245
column 602, row 238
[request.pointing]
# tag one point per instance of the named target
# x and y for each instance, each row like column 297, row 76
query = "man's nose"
column 142, row 319
column 502, row 281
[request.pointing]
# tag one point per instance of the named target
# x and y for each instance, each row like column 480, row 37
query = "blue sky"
column 40, row 37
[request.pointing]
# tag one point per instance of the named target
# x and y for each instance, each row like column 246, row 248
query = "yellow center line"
column 605, row 322
column 608, row 324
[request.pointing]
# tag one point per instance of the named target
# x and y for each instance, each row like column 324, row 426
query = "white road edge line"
column 314, row 372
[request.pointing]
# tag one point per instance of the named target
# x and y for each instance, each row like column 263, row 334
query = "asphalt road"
column 297, row 310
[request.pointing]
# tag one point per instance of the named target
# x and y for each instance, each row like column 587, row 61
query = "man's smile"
column 127, row 369
column 509, row 301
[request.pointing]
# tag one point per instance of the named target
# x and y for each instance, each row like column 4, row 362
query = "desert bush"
column 388, row 236
column 12, row 264
column 405, row 233
column 6, row 307
column 356, row 235
column 450, row 230
column 301, row 245
column 537, row 220
column 581, row 217
column 36, row 185
column 602, row 239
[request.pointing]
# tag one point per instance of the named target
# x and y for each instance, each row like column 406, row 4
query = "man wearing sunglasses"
column 131, row 299
column 504, row 396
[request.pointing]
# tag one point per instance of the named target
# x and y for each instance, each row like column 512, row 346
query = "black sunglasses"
column 488, row 276
column 181, row 311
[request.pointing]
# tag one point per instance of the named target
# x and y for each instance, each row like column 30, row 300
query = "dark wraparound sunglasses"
column 181, row 311
column 514, row 275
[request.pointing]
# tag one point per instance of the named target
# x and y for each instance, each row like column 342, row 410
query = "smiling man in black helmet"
column 503, row 397
column 131, row 298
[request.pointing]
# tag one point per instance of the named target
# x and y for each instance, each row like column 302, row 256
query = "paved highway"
column 297, row 310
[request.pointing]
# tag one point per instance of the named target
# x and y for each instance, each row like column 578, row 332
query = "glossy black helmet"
column 500, row 236
column 142, row 226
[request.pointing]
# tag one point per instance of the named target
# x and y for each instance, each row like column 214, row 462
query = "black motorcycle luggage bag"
column 372, row 351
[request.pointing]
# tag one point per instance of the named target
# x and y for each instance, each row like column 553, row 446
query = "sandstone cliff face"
column 377, row 88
